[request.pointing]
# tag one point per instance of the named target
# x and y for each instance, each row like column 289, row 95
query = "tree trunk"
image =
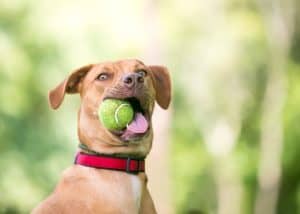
column 220, row 141
column 158, row 168
column 278, row 16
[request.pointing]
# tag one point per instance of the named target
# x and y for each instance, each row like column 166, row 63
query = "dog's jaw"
column 99, row 139
column 94, row 135
column 142, row 104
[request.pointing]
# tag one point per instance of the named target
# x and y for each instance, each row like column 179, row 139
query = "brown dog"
column 84, row 189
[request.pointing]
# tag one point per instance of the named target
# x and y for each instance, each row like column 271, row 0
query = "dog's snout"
column 130, row 80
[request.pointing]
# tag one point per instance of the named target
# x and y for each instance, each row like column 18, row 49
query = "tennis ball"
column 115, row 114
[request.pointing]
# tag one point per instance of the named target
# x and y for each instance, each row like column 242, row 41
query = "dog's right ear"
column 70, row 85
column 162, row 85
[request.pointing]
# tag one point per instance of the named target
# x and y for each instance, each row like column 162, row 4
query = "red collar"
column 113, row 163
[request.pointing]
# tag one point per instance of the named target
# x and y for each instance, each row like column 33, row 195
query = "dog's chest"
column 136, row 187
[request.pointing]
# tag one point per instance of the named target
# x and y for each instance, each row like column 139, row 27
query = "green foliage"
column 41, row 41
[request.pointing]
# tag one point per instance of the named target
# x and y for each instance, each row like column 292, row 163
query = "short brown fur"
column 89, row 190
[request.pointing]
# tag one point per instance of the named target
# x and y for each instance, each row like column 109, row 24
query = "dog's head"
column 130, row 80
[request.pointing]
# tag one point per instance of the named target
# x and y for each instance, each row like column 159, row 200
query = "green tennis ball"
column 115, row 114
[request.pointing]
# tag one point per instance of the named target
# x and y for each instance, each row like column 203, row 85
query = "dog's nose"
column 131, row 80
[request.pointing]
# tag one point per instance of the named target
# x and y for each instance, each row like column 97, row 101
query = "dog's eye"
column 103, row 76
column 142, row 73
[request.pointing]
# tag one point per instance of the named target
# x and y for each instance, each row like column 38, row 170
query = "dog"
column 108, row 175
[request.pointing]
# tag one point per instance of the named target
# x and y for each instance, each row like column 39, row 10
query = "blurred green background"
column 229, row 143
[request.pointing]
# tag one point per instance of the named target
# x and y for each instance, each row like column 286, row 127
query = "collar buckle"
column 128, row 165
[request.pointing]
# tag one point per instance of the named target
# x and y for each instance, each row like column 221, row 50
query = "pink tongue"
column 139, row 124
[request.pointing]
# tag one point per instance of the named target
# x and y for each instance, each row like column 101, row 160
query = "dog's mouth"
column 140, row 125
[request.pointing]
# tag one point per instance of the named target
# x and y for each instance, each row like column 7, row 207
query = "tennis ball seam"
column 117, row 111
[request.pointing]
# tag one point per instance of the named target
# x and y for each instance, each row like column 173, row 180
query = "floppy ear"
column 69, row 85
column 162, row 85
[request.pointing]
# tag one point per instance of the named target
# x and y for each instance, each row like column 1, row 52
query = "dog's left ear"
column 162, row 85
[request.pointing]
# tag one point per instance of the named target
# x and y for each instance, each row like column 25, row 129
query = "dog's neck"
column 85, row 149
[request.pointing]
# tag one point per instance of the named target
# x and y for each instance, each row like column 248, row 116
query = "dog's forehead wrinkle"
column 124, row 66
column 130, row 65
